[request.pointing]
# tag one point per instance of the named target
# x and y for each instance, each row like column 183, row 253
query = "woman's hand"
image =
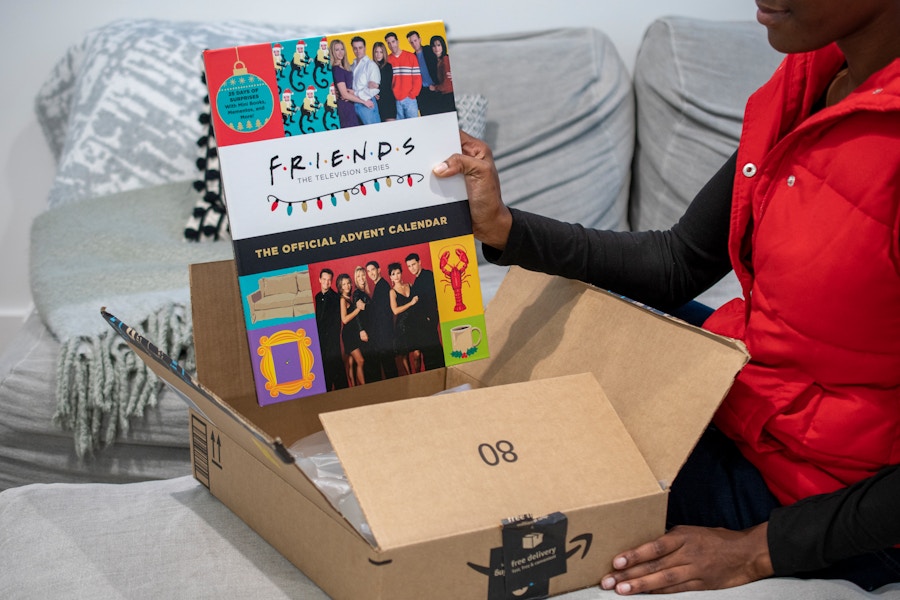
column 692, row 558
column 491, row 219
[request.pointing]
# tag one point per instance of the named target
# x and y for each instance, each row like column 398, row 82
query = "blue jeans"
column 693, row 312
column 367, row 116
column 718, row 487
column 407, row 108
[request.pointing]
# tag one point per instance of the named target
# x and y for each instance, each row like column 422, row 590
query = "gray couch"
column 575, row 136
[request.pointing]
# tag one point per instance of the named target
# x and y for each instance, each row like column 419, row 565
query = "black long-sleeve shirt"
column 666, row 269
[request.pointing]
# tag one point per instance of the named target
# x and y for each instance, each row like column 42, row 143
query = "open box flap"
column 266, row 448
column 194, row 394
column 664, row 377
column 431, row 467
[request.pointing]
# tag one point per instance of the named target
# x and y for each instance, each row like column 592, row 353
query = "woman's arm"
column 821, row 530
column 799, row 539
column 662, row 268
column 350, row 96
column 445, row 83
column 345, row 316
column 396, row 308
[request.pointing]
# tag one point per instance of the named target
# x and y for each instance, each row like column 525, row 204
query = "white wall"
column 33, row 35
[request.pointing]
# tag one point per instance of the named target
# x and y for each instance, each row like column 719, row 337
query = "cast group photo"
column 405, row 75
column 372, row 76
column 377, row 317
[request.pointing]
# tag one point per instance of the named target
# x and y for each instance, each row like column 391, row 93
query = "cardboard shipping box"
column 582, row 416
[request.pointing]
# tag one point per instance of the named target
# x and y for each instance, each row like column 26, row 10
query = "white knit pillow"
column 120, row 109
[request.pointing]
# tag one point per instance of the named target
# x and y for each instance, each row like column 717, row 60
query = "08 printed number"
column 501, row 451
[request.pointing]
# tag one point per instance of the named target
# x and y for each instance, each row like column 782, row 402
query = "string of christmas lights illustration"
column 359, row 188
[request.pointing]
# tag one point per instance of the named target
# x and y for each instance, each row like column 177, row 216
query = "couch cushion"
column 303, row 283
column 280, row 284
column 269, row 302
column 560, row 123
column 691, row 81
column 120, row 108
column 303, row 297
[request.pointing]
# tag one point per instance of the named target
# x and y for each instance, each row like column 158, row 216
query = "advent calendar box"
column 355, row 263
column 584, row 437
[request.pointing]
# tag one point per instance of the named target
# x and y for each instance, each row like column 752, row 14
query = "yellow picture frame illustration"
column 267, row 364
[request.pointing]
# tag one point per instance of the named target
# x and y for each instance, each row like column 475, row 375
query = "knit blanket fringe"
column 102, row 384
column 126, row 252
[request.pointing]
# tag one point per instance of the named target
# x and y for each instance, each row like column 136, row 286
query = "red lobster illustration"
column 455, row 275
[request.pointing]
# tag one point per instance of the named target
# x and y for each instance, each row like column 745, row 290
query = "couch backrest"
column 691, row 81
column 280, row 284
column 560, row 122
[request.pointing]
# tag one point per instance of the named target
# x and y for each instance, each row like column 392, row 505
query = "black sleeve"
column 820, row 530
column 664, row 269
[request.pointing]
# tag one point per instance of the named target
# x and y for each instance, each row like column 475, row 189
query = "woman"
column 402, row 303
column 444, row 84
column 361, row 297
column 807, row 213
column 387, row 104
column 343, row 81
column 351, row 334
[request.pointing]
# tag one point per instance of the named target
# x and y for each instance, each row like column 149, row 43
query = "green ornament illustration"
column 244, row 101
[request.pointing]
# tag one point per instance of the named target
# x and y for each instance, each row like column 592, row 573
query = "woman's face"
column 805, row 25
column 338, row 51
column 437, row 48
column 396, row 276
column 361, row 280
column 345, row 286
column 378, row 53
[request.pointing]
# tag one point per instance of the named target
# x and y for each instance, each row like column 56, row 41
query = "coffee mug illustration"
column 464, row 340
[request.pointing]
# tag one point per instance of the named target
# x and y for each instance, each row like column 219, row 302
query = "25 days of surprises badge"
column 244, row 101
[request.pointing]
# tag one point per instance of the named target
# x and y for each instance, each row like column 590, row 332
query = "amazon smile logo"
column 533, row 551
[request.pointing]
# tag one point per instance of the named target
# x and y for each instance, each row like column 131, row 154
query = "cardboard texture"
column 664, row 377
column 585, row 411
column 432, row 467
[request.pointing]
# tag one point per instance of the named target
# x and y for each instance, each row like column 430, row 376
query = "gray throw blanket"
column 126, row 252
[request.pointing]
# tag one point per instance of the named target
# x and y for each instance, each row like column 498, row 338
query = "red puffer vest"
column 815, row 243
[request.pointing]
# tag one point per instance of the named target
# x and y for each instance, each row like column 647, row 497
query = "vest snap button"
column 749, row 170
column 790, row 181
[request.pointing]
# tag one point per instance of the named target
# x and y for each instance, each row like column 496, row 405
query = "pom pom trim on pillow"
column 208, row 219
